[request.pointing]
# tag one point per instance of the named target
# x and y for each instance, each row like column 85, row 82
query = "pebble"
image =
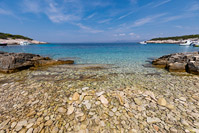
column 184, row 122
column 75, row 96
column 137, row 101
column 61, row 110
column 162, row 102
column 103, row 100
column 85, row 88
column 30, row 130
column 153, row 120
column 70, row 110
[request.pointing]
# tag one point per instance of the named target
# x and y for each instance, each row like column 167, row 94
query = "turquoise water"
column 120, row 54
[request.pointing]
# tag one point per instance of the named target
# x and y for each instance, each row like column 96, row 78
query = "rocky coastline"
column 10, row 41
column 179, row 62
column 170, row 41
column 14, row 62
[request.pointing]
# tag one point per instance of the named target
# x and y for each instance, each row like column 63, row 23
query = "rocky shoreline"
column 14, row 62
column 179, row 62
column 10, row 41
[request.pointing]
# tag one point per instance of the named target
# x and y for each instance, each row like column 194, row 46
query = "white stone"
column 153, row 120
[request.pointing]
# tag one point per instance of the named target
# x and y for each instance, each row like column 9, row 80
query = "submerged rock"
column 13, row 62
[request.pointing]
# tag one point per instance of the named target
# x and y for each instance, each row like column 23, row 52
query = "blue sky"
column 99, row 20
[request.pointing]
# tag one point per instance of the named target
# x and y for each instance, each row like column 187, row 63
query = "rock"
column 153, row 120
column 173, row 130
column 162, row 102
column 137, row 101
column 85, row 88
column 184, row 122
column 179, row 62
column 176, row 67
column 3, row 124
column 88, row 105
column 75, row 96
column 70, row 110
column 61, row 110
column 103, row 100
column 31, row 113
column 170, row 106
column 49, row 123
column 13, row 62
column 30, row 130
column 100, row 93
column 13, row 124
column 193, row 67
column 22, row 123
column 55, row 130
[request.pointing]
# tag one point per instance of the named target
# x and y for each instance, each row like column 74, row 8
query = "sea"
column 128, row 56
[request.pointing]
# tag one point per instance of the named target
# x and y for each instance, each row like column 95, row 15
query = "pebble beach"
column 92, row 99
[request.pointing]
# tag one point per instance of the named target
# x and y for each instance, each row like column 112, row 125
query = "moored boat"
column 187, row 43
column 3, row 44
column 196, row 44
column 24, row 43
column 143, row 42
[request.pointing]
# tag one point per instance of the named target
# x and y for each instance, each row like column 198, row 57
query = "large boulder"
column 13, row 62
column 193, row 67
column 176, row 67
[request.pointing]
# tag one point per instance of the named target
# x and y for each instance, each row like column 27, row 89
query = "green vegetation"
column 177, row 37
column 6, row 36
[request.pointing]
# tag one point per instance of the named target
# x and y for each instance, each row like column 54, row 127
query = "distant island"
column 174, row 40
column 10, row 39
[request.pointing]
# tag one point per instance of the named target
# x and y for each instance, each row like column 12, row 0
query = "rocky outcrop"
column 13, row 62
column 179, row 62
column 11, row 41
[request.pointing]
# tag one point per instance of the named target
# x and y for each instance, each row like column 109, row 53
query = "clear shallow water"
column 126, row 55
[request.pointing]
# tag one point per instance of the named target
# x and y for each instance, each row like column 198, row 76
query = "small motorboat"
column 24, row 43
column 187, row 43
column 196, row 44
column 143, row 42
column 3, row 44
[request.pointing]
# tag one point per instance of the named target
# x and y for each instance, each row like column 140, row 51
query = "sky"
column 99, row 20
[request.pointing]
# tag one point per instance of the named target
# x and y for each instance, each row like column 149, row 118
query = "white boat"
column 143, row 42
column 196, row 44
column 24, row 43
column 187, row 43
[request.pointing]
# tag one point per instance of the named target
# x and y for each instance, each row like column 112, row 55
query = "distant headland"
column 10, row 39
column 174, row 40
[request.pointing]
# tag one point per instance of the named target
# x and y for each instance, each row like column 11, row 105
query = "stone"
column 176, row 67
column 153, row 120
column 103, row 100
column 85, row 88
column 137, row 101
column 88, row 105
column 49, row 123
column 184, row 122
column 22, row 123
column 170, row 106
column 75, row 96
column 173, row 130
column 70, row 110
column 14, row 62
column 31, row 113
column 13, row 124
column 55, row 130
column 162, row 102
column 100, row 93
column 30, row 130
column 3, row 124
column 61, row 110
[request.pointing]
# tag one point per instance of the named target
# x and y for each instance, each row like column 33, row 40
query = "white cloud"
column 195, row 7
column 63, row 12
column 91, row 16
column 120, row 34
column 131, row 34
column 104, row 21
column 146, row 20
column 161, row 3
column 88, row 29
column 5, row 12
